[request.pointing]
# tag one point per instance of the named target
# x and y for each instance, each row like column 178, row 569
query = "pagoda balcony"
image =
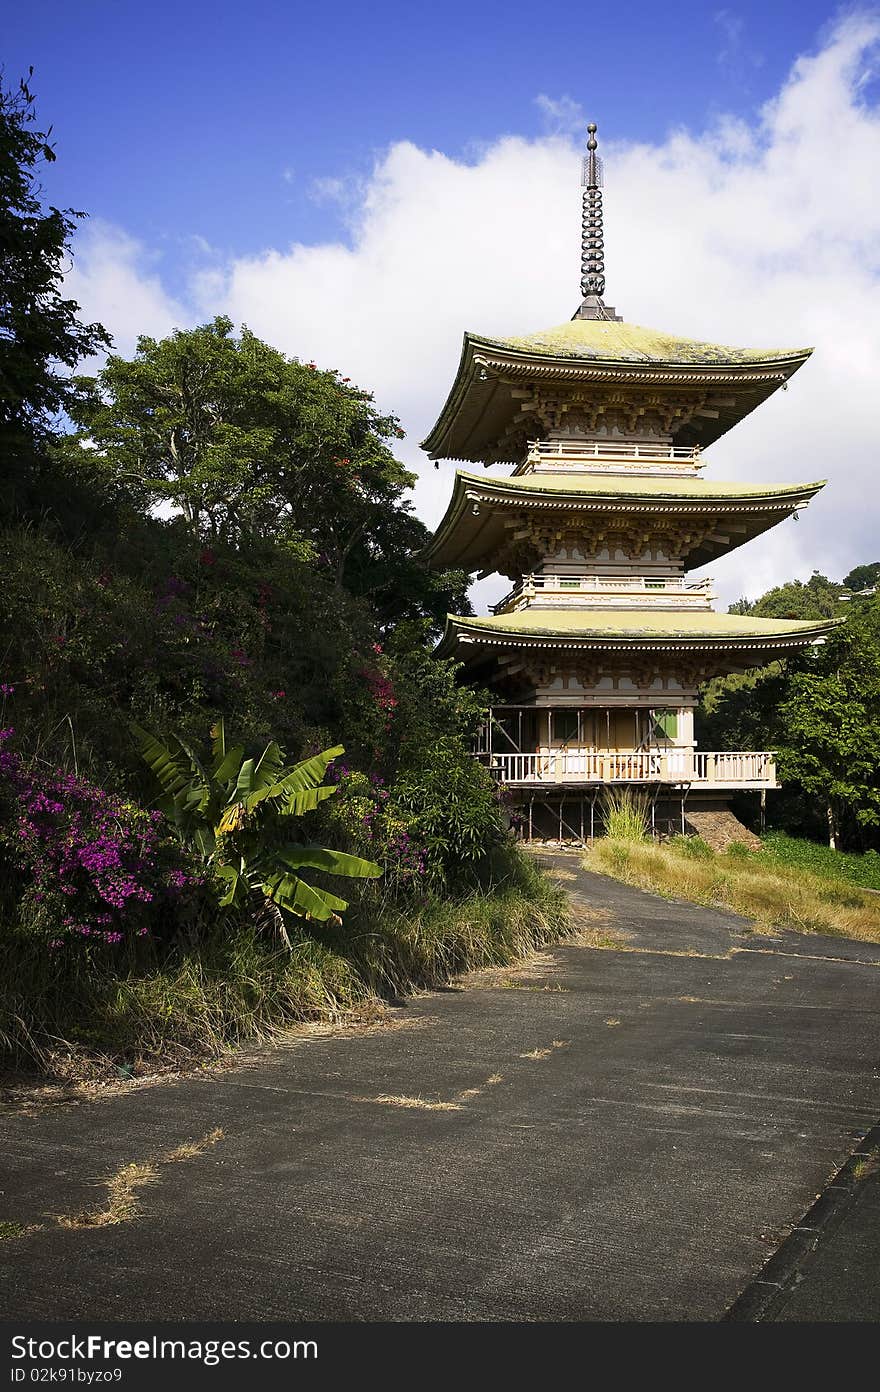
column 606, row 455
column 595, row 591
column 673, row 767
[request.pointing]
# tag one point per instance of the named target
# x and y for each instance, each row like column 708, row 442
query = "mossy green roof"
column 640, row 623
column 602, row 339
column 622, row 486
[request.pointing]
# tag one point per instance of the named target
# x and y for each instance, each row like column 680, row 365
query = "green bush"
column 452, row 807
column 693, row 846
column 821, row 860
column 738, row 850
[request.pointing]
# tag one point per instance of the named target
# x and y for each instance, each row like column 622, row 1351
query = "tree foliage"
column 817, row 598
column 41, row 337
column 820, row 711
column 863, row 577
column 830, row 719
column 254, row 447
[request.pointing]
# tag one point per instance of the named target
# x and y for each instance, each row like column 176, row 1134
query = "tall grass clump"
column 625, row 813
column 769, row 893
column 226, row 982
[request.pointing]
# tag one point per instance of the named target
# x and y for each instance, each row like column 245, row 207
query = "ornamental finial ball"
column 591, row 131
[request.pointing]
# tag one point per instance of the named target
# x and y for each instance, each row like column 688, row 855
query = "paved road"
column 624, row 1134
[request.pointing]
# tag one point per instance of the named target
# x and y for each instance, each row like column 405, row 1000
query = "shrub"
column 859, row 869
column 738, row 850
column 452, row 808
column 693, row 846
column 90, row 865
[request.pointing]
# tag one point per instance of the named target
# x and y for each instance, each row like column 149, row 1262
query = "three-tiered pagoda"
column 599, row 650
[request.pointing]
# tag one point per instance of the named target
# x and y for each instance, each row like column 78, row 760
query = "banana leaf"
column 334, row 862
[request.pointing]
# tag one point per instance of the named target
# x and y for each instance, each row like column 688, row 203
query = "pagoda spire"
column 592, row 237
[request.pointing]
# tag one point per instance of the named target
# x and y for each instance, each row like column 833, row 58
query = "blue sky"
column 215, row 119
column 359, row 184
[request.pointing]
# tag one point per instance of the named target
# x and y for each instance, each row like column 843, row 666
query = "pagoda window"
column 666, row 724
column 565, row 726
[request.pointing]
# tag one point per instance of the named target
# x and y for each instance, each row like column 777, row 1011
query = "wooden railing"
column 613, row 449
column 603, row 590
column 645, row 457
column 573, row 766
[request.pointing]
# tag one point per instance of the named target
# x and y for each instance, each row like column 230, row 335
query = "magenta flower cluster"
column 98, row 866
column 404, row 858
column 381, row 688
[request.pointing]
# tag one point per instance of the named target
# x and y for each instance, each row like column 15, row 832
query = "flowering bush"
column 365, row 810
column 96, row 866
column 380, row 687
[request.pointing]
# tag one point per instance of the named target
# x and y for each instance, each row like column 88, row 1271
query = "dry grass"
column 123, row 1188
column 545, row 1053
column 419, row 1104
column 777, row 896
column 470, row 1093
column 121, row 1203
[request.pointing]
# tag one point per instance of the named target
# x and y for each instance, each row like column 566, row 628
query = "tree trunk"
column 833, row 828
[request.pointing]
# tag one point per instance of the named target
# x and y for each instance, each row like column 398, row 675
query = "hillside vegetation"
column 234, row 784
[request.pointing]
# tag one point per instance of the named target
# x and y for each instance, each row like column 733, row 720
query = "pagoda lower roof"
column 484, row 400
column 627, row 629
column 472, row 528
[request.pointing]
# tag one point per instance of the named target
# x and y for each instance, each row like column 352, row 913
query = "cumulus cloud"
column 117, row 282
column 762, row 233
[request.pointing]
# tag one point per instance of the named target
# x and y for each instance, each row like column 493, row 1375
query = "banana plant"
column 242, row 817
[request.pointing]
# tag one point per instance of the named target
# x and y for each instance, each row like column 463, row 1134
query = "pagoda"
column 597, row 653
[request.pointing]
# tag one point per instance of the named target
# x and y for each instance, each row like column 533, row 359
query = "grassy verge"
column 758, row 887
column 821, row 860
column 168, row 1008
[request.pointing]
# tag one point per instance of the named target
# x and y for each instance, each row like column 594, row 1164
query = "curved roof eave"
column 750, row 366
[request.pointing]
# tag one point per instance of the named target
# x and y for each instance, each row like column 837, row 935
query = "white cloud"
column 561, row 115
column 762, row 233
column 117, row 282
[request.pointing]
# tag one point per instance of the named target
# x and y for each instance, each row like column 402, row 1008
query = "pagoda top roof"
column 628, row 628
column 599, row 340
column 472, row 529
column 486, row 395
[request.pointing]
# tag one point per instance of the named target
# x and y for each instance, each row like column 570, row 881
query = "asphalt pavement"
column 635, row 1130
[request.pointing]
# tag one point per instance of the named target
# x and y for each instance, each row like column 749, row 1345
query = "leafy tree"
column 41, row 338
column 253, row 446
column 831, row 718
column 818, row 598
column 863, row 577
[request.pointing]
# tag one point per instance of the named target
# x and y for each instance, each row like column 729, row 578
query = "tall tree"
column 41, row 337
column 830, row 714
column 818, row 598
column 863, row 577
column 252, row 446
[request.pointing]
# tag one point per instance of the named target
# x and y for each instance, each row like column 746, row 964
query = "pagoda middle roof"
column 482, row 403
column 631, row 628
column 473, row 525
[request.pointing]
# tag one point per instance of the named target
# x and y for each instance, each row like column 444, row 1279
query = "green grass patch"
column 751, row 884
column 820, row 860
